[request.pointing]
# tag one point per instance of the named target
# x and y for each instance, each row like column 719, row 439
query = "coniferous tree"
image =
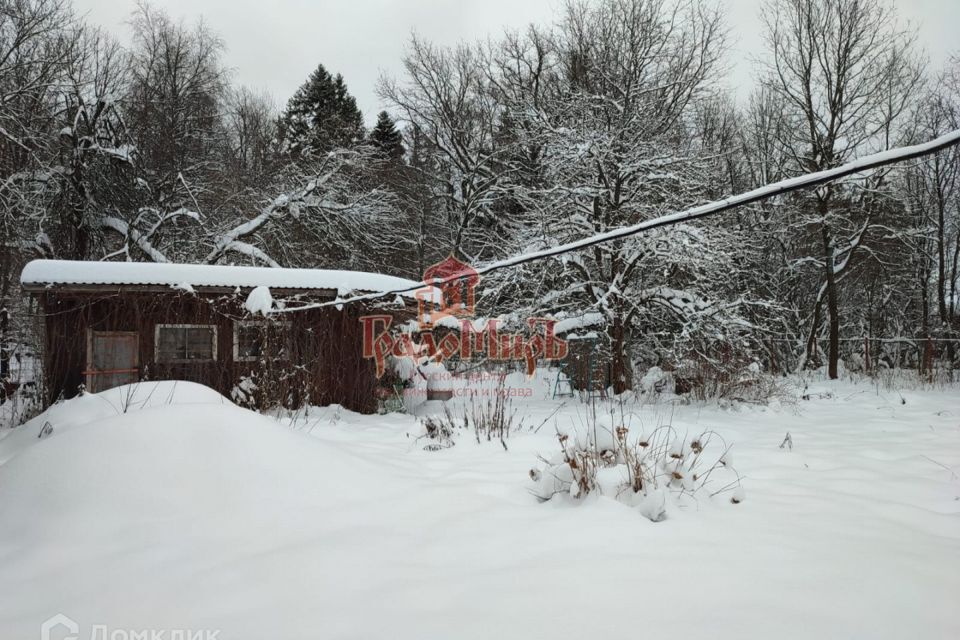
column 321, row 115
column 386, row 137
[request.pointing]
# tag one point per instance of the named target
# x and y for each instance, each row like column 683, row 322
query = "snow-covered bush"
column 490, row 416
column 440, row 429
column 655, row 381
column 650, row 469
column 244, row 393
column 492, row 419
column 728, row 376
column 272, row 384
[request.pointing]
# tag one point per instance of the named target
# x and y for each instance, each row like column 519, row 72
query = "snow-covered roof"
column 40, row 274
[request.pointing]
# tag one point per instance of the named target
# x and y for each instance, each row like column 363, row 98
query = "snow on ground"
column 182, row 511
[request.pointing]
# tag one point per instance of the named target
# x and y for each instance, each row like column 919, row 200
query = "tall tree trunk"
column 832, row 304
column 924, row 278
column 941, row 256
column 621, row 369
column 954, row 280
column 810, row 355
column 80, row 232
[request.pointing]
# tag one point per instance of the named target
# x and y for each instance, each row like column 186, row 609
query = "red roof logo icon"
column 457, row 282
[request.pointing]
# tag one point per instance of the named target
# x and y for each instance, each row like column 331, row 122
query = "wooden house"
column 107, row 324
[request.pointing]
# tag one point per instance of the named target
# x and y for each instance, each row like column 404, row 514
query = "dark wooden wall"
column 325, row 367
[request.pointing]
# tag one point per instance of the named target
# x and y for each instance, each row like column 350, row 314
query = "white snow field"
column 175, row 510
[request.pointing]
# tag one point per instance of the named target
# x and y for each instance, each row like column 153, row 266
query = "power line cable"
column 774, row 189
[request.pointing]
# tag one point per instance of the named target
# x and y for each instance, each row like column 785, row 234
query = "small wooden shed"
column 107, row 324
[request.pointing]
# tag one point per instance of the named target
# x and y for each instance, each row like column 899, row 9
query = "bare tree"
column 845, row 74
column 447, row 99
column 250, row 130
column 175, row 97
column 616, row 151
column 322, row 215
column 940, row 180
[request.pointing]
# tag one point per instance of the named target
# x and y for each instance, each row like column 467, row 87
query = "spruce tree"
column 386, row 137
column 321, row 115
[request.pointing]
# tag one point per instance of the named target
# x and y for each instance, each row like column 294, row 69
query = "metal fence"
column 21, row 366
column 932, row 358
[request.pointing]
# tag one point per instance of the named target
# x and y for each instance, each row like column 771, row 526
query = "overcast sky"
column 273, row 45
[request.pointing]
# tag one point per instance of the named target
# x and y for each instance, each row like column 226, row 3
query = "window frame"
column 156, row 343
column 239, row 324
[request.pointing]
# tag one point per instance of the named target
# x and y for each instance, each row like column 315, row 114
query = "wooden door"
column 113, row 359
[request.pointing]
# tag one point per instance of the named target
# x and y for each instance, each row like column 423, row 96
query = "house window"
column 186, row 342
column 253, row 341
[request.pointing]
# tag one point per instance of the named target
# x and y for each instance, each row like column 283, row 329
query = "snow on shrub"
column 655, row 380
column 244, row 393
column 490, row 416
column 440, row 429
column 650, row 469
